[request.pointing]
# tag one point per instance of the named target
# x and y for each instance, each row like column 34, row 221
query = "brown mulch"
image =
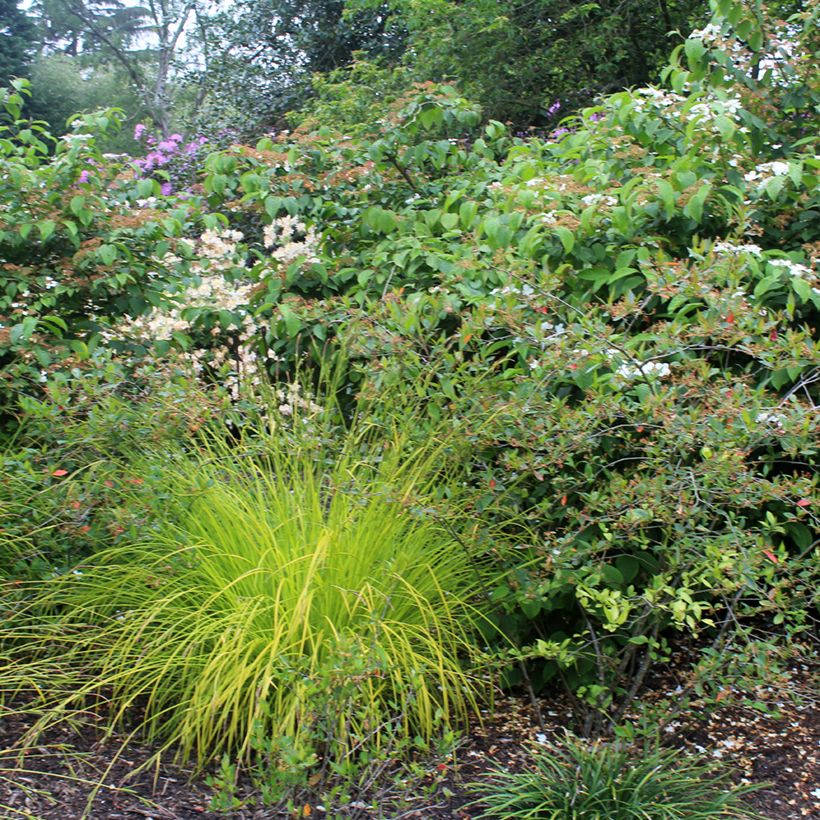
column 73, row 769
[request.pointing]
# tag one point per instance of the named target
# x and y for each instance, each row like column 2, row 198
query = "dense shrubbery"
column 619, row 324
column 645, row 284
column 83, row 244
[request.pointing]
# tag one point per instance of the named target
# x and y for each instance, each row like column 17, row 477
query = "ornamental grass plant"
column 290, row 591
column 580, row 780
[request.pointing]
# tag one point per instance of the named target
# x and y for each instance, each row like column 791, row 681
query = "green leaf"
column 774, row 186
column 802, row 288
column 380, row 220
column 667, row 195
column 293, row 324
column 79, row 348
column 725, row 126
column 217, row 183
column 695, row 49
column 46, row 228
column 628, row 567
column 273, row 204
column 72, row 230
column 694, row 208
column 145, row 188
column 567, row 238
column 430, row 117
column 22, row 331
column 612, row 575
column 77, row 205
column 467, row 214
column 56, row 322
column 107, row 254
column 449, row 221
column 773, row 280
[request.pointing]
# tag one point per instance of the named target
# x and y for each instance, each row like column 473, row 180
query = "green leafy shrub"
column 642, row 289
column 83, row 244
column 599, row 781
column 289, row 601
column 69, row 483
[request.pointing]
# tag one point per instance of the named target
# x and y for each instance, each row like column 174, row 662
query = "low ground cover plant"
column 579, row 780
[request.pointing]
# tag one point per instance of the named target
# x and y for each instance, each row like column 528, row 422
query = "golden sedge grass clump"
column 307, row 598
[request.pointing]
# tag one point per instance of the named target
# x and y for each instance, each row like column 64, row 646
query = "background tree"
column 270, row 50
column 141, row 42
column 63, row 86
column 17, row 40
column 521, row 56
column 517, row 58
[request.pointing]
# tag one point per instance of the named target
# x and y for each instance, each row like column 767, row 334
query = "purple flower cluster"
column 172, row 154
column 160, row 151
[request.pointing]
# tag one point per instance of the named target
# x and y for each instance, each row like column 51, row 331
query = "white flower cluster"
column 524, row 290
column 732, row 248
column 705, row 111
column 212, row 291
column 793, row 268
column 292, row 399
column 77, row 138
column 781, row 48
column 219, row 247
column 240, row 366
column 281, row 234
column 708, row 33
column 600, row 199
column 650, row 97
column 766, row 171
column 714, row 106
column 545, row 334
column 774, row 420
column 646, row 370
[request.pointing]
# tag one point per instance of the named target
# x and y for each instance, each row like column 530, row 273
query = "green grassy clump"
column 600, row 781
column 286, row 593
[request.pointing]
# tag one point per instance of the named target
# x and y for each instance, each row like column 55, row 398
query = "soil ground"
column 73, row 774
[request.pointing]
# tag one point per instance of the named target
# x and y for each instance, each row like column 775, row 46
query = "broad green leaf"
column 567, row 238
column 46, row 228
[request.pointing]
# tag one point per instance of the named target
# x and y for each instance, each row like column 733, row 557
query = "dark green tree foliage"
column 521, row 56
column 17, row 35
column 274, row 47
column 93, row 28
column 63, row 86
column 517, row 57
column 141, row 43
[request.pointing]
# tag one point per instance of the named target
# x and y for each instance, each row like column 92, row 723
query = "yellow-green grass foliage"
column 311, row 598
